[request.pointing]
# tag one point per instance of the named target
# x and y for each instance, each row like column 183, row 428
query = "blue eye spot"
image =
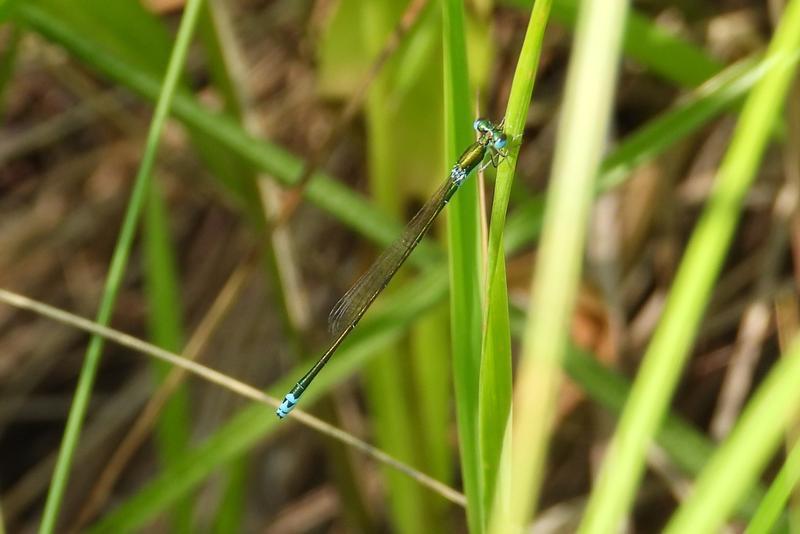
column 501, row 142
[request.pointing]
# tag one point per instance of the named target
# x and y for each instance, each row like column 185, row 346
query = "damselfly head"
column 491, row 135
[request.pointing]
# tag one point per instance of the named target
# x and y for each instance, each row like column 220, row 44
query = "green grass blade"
column 124, row 28
column 667, row 352
column 416, row 82
column 587, row 105
column 495, row 382
column 466, row 259
column 430, row 345
column 165, row 329
column 777, row 496
column 740, row 459
column 721, row 92
column 116, row 270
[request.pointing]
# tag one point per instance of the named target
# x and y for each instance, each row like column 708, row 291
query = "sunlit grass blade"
column 691, row 289
column 738, row 462
column 582, row 128
column 495, row 383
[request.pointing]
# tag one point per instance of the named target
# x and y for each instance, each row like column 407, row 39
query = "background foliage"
column 211, row 176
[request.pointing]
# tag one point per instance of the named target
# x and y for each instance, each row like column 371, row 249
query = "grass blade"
column 777, row 496
column 495, row 383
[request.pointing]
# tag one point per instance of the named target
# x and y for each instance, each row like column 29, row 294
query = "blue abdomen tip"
column 286, row 406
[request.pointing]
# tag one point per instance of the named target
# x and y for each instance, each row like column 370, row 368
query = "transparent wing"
column 358, row 298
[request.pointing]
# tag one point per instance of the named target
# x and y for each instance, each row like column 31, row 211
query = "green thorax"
column 472, row 156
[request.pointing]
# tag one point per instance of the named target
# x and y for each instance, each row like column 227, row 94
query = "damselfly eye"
column 500, row 141
column 482, row 126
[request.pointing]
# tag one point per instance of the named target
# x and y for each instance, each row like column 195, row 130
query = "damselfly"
column 352, row 306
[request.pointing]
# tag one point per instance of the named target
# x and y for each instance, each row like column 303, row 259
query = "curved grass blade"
column 774, row 501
